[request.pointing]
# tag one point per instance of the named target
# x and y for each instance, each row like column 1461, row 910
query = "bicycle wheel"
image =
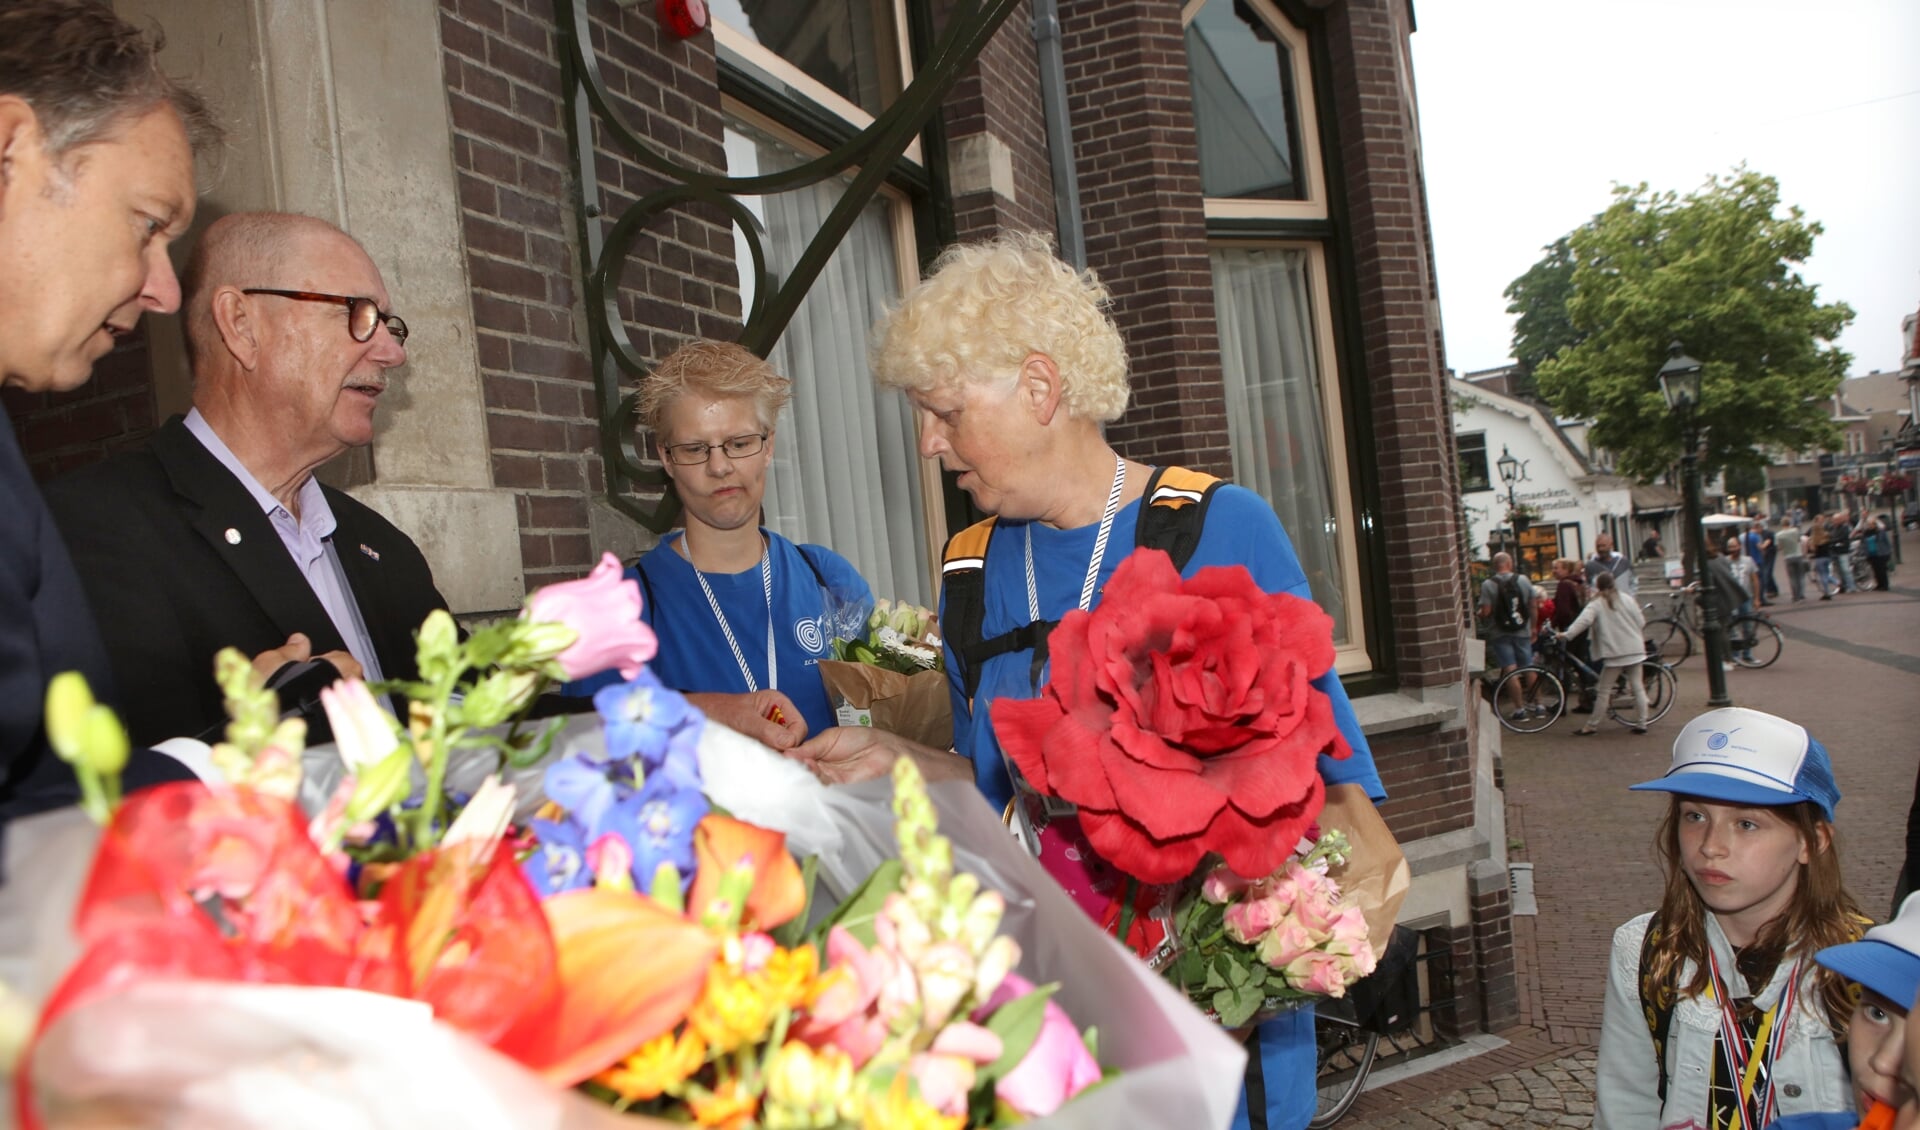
column 1347, row 1053
column 1541, row 697
column 1760, row 640
column 1662, row 687
column 1668, row 639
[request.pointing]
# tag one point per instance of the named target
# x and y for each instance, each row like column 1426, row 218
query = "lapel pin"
column 233, row 536
column 369, row 551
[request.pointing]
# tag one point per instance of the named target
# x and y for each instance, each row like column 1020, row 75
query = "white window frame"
column 1313, row 202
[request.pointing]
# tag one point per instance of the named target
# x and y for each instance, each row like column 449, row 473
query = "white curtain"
column 1276, row 419
column 845, row 473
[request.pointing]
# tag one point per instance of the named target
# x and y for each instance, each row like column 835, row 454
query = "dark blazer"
column 178, row 562
column 45, row 628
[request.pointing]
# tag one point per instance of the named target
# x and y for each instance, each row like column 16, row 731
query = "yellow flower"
column 809, row 1090
column 900, row 1109
column 733, row 1011
column 659, row 1066
column 730, row 1107
column 787, row 979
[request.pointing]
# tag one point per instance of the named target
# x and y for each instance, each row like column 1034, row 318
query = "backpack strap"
column 819, row 578
column 1656, row 1001
column 1172, row 513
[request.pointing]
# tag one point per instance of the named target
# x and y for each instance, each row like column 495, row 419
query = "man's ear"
column 1040, row 387
column 233, row 320
column 22, row 146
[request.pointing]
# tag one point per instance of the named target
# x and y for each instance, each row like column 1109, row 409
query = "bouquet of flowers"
column 630, row 939
column 1168, row 773
column 887, row 671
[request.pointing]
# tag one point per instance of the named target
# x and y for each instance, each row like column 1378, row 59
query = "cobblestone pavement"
column 1849, row 673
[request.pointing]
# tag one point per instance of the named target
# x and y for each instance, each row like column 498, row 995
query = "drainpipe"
column 1053, row 106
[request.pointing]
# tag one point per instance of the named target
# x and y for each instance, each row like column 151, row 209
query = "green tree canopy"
column 1715, row 270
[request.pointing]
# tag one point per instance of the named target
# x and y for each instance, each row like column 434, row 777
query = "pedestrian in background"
column 1877, row 543
column 1787, row 541
column 1716, row 1012
column 1840, row 548
column 1619, row 643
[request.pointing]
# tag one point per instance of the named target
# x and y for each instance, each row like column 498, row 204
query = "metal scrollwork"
column 871, row 154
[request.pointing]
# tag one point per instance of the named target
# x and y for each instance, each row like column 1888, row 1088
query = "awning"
column 1655, row 499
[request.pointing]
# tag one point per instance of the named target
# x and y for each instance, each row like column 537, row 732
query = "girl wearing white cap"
column 1717, row 1015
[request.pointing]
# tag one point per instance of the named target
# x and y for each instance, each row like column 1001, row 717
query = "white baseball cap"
column 1743, row 756
column 1887, row 960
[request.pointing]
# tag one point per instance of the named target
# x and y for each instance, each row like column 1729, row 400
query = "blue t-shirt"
column 1811, row 1120
column 1241, row 529
column 694, row 655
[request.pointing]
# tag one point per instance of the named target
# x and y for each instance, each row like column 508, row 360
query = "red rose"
column 1181, row 720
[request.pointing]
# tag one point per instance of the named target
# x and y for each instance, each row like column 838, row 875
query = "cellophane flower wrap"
column 1180, row 736
column 535, row 922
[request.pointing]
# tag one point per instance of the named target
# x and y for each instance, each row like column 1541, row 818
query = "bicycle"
column 1754, row 640
column 1542, row 687
column 1671, row 637
column 1348, row 1029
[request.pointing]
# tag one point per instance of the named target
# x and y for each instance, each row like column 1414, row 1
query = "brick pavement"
column 1848, row 673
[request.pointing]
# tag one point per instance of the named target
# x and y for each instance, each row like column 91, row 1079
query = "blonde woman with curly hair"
column 741, row 605
column 1014, row 368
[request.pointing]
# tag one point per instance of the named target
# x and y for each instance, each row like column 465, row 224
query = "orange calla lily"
column 629, row 971
column 723, row 845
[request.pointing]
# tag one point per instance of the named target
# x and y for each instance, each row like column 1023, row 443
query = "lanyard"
column 766, row 588
column 1099, row 546
column 1772, row 1036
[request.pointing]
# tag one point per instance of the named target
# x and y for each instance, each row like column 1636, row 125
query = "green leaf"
column 858, row 912
column 793, row 931
column 1017, row 1023
column 537, row 751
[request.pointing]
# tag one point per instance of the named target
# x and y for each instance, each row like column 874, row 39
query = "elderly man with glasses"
column 216, row 533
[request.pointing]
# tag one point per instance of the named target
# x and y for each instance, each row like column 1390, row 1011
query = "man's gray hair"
column 86, row 72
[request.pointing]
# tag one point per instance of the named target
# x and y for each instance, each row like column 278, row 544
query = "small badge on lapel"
column 233, row 536
column 369, row 551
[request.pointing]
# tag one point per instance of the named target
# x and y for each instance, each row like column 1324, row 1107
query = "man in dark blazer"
column 96, row 179
column 216, row 534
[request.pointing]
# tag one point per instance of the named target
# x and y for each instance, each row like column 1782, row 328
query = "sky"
column 1531, row 110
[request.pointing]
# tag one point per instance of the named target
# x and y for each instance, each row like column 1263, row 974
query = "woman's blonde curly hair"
column 986, row 306
column 713, row 368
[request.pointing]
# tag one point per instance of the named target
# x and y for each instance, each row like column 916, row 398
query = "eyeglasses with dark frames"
column 734, row 447
column 363, row 316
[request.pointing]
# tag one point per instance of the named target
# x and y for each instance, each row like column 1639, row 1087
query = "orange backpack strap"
column 1174, row 511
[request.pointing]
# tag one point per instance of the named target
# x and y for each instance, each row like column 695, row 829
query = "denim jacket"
column 1810, row 1073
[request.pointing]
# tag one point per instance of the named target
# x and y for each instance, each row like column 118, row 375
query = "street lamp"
column 1509, row 469
column 1680, row 385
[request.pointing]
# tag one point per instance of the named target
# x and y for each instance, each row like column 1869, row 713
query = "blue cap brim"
column 1885, row 968
column 1712, row 786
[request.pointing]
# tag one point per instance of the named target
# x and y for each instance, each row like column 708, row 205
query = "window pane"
column 1242, row 104
column 1473, row 462
column 845, row 472
column 1276, row 408
column 849, row 46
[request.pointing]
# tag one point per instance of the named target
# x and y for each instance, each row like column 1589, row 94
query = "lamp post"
column 1509, row 469
column 1680, row 385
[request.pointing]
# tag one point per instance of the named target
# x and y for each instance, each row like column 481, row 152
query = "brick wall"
column 1493, row 945
column 1139, row 167
column 999, row 98
column 112, row 412
column 517, row 194
column 1377, row 164
column 1429, row 779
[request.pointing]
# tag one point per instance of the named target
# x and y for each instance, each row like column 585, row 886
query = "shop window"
column 1472, row 447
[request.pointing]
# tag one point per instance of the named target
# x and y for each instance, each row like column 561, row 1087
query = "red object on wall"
column 684, row 18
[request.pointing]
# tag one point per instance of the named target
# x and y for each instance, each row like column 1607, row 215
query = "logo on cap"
column 1718, row 740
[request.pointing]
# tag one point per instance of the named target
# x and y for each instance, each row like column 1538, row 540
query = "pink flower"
column 843, row 1015
column 1350, row 929
column 945, row 1072
column 1287, row 943
column 1246, row 921
column 1221, row 885
column 1323, row 973
column 1057, row 1066
column 362, row 729
column 603, row 609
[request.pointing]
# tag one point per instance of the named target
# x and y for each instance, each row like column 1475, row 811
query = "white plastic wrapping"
column 227, row 1056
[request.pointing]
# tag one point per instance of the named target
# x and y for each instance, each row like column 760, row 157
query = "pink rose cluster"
column 1295, row 921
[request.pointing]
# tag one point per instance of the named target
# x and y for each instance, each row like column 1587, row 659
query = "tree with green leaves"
column 1717, row 270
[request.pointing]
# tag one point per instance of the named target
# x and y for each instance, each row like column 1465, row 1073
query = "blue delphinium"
column 645, row 788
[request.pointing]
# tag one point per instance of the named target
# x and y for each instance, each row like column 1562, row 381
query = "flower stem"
column 1127, row 897
column 437, row 754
